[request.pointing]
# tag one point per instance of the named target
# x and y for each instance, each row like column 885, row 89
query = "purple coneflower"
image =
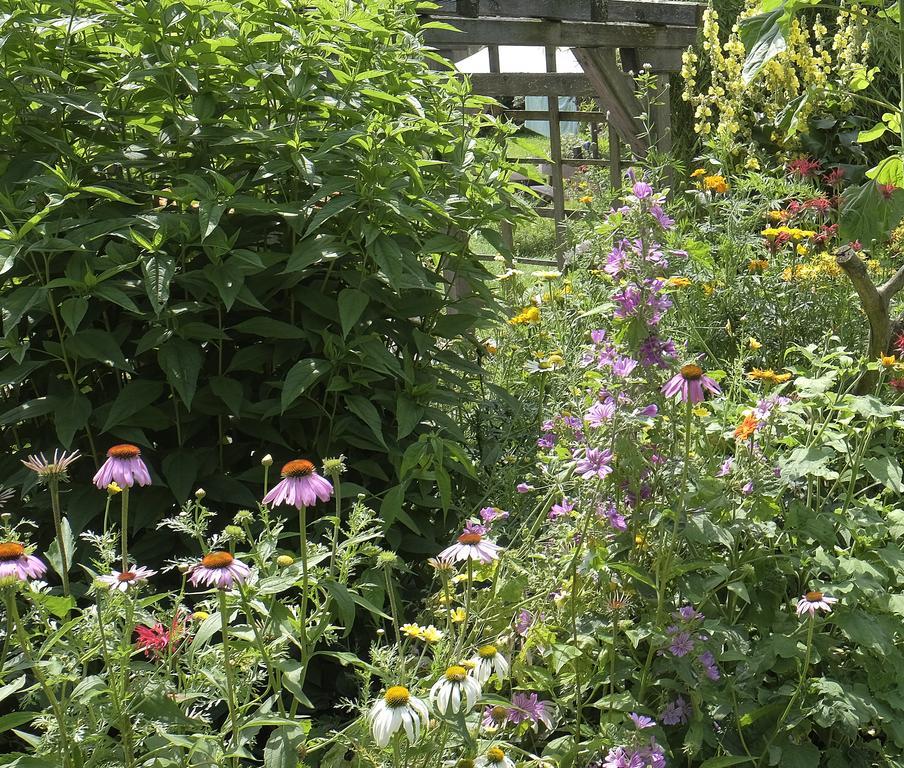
column 123, row 467
column 56, row 468
column 15, row 564
column 472, row 546
column 301, row 486
column 642, row 721
column 594, row 463
column 124, row 580
column 815, row 601
column 689, row 384
column 219, row 569
column 527, row 708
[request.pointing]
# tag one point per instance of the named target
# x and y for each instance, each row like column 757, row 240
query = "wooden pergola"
column 611, row 40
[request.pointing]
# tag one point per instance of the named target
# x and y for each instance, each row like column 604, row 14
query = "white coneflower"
column 812, row 602
column 455, row 692
column 397, row 709
column 122, row 581
column 494, row 758
column 487, row 662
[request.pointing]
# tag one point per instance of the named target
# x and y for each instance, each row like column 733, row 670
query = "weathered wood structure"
column 611, row 39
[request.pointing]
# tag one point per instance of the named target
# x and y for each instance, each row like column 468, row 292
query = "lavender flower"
column 524, row 622
column 682, row 644
column 561, row 509
column 600, row 413
column 675, row 713
column 710, row 667
column 594, row 463
column 642, row 721
column 615, row 519
column 527, row 708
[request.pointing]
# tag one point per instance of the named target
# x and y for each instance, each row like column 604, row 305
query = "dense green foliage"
column 228, row 229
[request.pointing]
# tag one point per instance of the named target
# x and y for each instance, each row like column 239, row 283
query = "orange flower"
column 747, row 427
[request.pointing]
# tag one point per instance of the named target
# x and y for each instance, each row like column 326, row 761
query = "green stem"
column 13, row 611
column 54, row 487
column 338, row 496
column 125, row 529
column 227, row 663
column 393, row 605
column 303, row 542
column 118, row 698
column 246, row 606
column 575, row 589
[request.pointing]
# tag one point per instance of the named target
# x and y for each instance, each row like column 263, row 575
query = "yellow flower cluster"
column 715, row 184
column 725, row 113
column 429, row 634
column 527, row 316
column 768, row 375
column 792, row 233
column 824, row 267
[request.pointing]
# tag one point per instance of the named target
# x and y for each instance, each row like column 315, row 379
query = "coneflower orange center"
column 397, row 696
column 298, row 468
column 814, row 597
column 456, row 674
column 499, row 713
column 217, row 560
column 691, row 371
column 487, row 651
column 495, row 755
column 470, row 538
column 11, row 550
column 126, row 576
column 124, row 451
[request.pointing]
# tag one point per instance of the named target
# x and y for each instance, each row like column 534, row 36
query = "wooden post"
column 555, row 152
column 615, row 171
column 506, row 230
column 661, row 114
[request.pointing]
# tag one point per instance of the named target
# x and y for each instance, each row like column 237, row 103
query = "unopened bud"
column 284, row 561
column 267, row 460
column 200, row 494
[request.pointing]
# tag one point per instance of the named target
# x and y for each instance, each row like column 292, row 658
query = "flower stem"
column 227, row 662
column 338, row 496
column 125, row 529
column 575, row 589
column 303, row 547
column 54, row 487
column 119, row 697
column 25, row 645
column 393, row 606
column 268, row 663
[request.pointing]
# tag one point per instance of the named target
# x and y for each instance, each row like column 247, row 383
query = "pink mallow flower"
column 472, row 546
column 301, row 486
column 689, row 384
column 594, row 463
column 123, row 467
column 219, row 569
column 15, row 564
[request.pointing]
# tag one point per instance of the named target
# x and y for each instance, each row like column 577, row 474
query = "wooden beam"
column 495, row 31
column 615, row 172
column 555, row 152
column 575, row 161
column 616, row 91
column 539, row 114
column 532, row 84
column 550, row 213
column 678, row 14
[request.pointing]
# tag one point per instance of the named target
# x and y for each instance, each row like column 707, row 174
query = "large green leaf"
column 300, row 378
column 181, row 361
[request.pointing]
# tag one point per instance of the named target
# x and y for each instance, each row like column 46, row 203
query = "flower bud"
column 200, row 615
column 243, row 516
column 233, row 533
column 284, row 561
column 267, row 461
column 200, row 494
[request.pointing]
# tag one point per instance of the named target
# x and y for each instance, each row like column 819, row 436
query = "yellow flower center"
column 487, row 651
column 11, row 550
column 124, row 451
column 495, row 755
column 691, row 372
column 397, row 696
column 456, row 674
column 298, row 468
column 814, row 597
column 217, row 560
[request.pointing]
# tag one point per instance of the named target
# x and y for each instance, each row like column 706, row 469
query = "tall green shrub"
column 227, row 230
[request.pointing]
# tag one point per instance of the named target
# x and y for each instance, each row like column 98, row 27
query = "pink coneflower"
column 815, row 601
column 528, row 708
column 689, row 384
column 123, row 467
column 301, row 486
column 56, row 468
column 219, row 569
column 14, row 563
column 472, row 546
column 124, row 580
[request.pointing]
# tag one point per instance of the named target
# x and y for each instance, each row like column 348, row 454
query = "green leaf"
column 94, row 344
column 300, row 378
column 230, row 392
column 887, row 471
column 158, row 269
column 763, row 36
column 281, row 750
column 388, row 255
column 352, row 304
column 877, row 131
column 365, row 410
column 890, row 170
column 726, row 760
column 180, row 468
column 408, row 414
column 634, row 572
column 39, row 406
column 344, row 604
column 15, row 719
column 291, row 679
column 809, row 461
column 134, row 397
column 181, row 361
column 74, row 411
column 109, row 194
column 73, row 311
column 269, row 328
column 869, row 215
